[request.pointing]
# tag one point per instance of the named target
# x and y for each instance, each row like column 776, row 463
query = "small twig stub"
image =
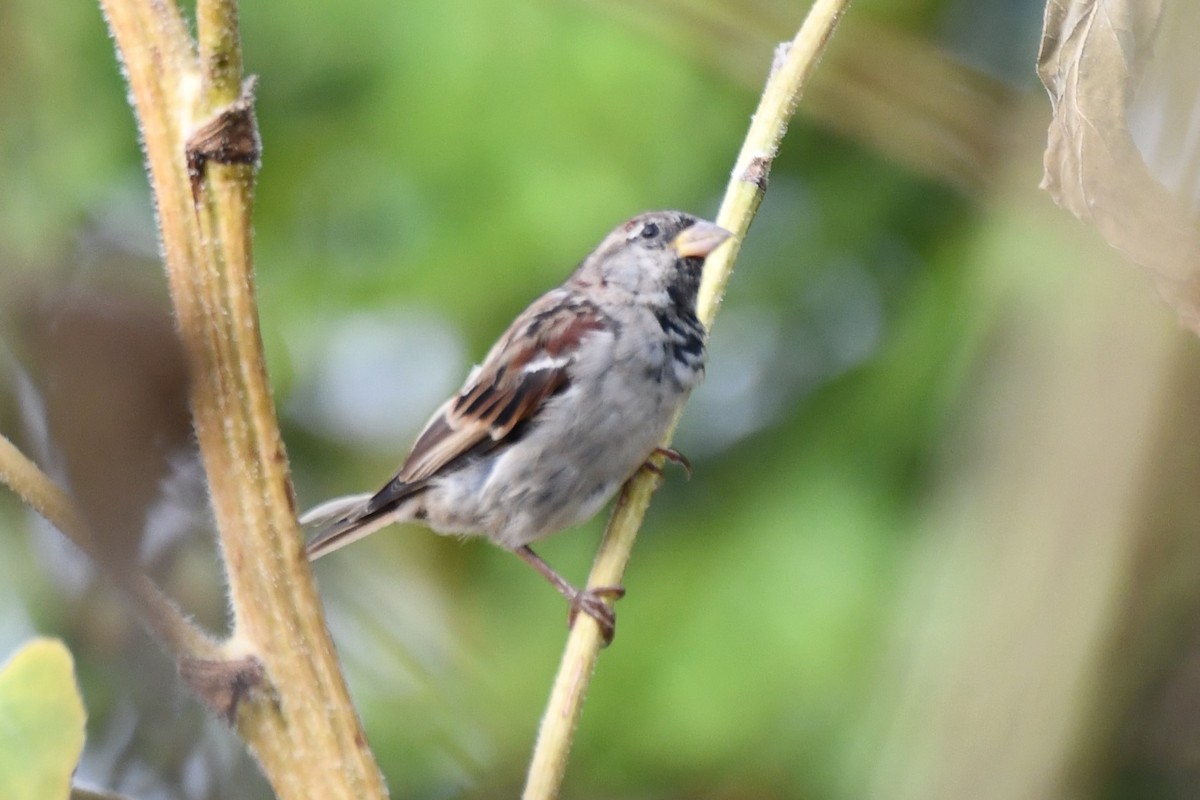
column 222, row 685
column 757, row 172
column 229, row 137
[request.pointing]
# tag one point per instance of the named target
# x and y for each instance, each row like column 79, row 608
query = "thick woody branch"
column 794, row 64
column 201, row 143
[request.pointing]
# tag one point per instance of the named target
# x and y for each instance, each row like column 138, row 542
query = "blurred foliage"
column 428, row 169
column 42, row 734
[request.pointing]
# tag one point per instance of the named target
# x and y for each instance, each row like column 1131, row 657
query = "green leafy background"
column 800, row 612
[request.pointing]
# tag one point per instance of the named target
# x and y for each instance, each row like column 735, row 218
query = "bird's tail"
column 343, row 520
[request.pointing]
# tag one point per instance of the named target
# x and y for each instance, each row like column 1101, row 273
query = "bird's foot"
column 590, row 601
column 674, row 456
column 593, row 603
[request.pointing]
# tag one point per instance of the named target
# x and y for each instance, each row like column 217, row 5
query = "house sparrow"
column 569, row 403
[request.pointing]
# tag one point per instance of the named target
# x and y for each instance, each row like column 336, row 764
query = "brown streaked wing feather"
column 504, row 392
column 440, row 443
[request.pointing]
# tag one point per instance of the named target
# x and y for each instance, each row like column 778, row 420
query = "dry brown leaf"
column 1121, row 150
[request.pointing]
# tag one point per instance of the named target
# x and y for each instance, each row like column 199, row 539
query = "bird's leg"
column 589, row 601
column 674, row 456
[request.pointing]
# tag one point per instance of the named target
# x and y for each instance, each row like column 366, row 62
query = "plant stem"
column 795, row 63
column 159, row 613
column 302, row 728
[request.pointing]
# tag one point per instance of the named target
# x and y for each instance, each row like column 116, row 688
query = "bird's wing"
column 529, row 364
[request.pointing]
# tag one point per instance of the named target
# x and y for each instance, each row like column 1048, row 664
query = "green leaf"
column 41, row 722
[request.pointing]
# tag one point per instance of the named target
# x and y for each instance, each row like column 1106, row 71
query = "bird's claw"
column 592, row 602
column 672, row 455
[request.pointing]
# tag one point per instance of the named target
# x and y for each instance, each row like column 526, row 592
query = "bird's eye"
column 649, row 230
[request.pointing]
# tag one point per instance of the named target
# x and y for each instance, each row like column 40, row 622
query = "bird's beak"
column 699, row 240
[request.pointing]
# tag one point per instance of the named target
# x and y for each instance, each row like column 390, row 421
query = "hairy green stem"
column 157, row 611
column 795, row 62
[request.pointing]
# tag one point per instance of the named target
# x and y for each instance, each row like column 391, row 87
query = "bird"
column 572, row 400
